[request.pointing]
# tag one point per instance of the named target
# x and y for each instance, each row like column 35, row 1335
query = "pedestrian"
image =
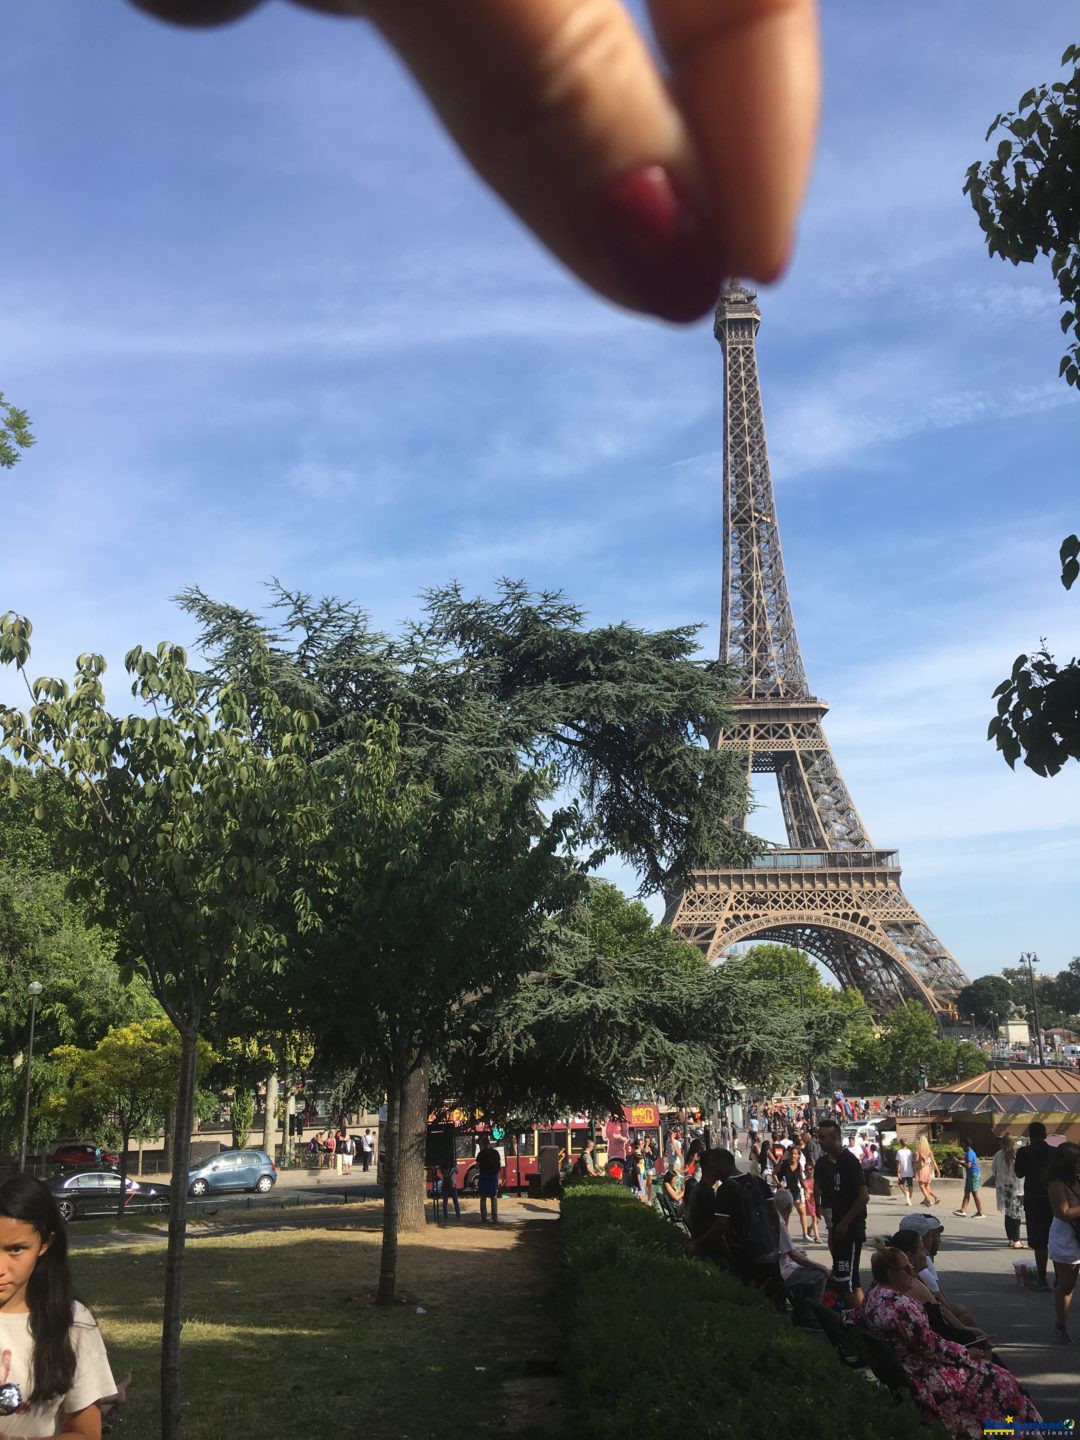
column 55, row 1368
column 744, row 1228
column 1007, row 1192
column 1063, row 1192
column 585, row 1164
column 1032, row 1162
column 790, row 1176
column 842, row 1190
column 344, row 1149
column 972, row 1181
column 804, row 1279
column 905, row 1171
column 926, row 1168
column 367, row 1150
column 330, row 1146
column 448, row 1186
column 488, row 1166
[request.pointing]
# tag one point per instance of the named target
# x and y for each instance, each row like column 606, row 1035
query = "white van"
column 877, row 1132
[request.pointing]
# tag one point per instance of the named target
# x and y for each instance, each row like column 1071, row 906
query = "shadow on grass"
column 281, row 1336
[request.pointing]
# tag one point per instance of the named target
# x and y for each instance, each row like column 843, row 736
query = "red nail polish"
column 659, row 247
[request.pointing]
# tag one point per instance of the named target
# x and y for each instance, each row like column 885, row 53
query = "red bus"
column 520, row 1145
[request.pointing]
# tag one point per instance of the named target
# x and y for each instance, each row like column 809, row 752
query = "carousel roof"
column 1046, row 1089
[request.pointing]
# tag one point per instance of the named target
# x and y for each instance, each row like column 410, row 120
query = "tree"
column 184, row 816
column 987, row 999
column 422, row 897
column 618, row 717
column 1027, row 199
column 614, row 1005
column 14, row 433
column 1066, row 988
column 907, row 1054
column 128, row 1080
column 832, row 1022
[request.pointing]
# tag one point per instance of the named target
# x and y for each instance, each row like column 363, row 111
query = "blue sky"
column 267, row 322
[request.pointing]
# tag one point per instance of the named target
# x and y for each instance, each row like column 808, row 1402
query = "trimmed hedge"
column 655, row 1337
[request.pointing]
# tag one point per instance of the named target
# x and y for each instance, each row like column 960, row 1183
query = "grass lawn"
column 281, row 1338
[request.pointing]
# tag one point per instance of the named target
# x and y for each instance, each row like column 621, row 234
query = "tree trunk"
column 183, row 1118
column 270, row 1117
column 412, row 1178
column 126, row 1132
column 286, row 1104
column 391, row 1155
column 167, row 1141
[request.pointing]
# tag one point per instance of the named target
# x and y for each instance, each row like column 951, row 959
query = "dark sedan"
column 97, row 1192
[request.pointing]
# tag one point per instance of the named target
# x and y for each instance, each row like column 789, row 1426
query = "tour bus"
column 519, row 1145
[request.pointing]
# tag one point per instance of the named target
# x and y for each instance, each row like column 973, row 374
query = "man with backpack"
column 735, row 1222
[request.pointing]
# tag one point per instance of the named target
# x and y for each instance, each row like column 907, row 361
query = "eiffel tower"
column 829, row 891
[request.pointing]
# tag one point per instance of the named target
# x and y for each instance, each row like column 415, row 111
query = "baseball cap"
column 921, row 1224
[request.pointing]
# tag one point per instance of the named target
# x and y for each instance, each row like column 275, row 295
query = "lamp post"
column 811, row 1098
column 33, row 990
column 1031, row 960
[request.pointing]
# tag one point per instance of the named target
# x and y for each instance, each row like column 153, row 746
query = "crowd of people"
column 740, row 1220
column 325, row 1146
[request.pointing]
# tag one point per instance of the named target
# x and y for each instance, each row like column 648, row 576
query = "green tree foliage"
column 614, row 1006
column 14, row 433
column 617, row 716
column 986, row 1000
column 185, row 811
column 829, row 1022
column 1027, row 198
column 907, row 1049
column 126, row 1083
column 48, row 936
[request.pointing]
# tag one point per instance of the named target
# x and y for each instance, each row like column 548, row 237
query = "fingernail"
column 658, row 246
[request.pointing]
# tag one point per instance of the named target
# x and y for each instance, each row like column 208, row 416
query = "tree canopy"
column 15, row 434
column 1027, row 199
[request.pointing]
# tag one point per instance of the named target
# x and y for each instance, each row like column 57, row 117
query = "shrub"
column 649, row 1328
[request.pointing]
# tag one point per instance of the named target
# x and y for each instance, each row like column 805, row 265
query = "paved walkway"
column 975, row 1266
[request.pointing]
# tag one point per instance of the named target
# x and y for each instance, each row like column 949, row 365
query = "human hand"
column 650, row 187
column 841, row 1228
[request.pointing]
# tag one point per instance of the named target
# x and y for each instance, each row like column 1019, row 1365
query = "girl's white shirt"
column 93, row 1378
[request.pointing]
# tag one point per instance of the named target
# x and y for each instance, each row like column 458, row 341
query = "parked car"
column 96, row 1192
column 880, row 1132
column 82, row 1152
column 233, row 1170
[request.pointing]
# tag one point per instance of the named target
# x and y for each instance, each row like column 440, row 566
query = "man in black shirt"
column 840, row 1188
column 1031, row 1162
column 707, row 1239
column 737, row 1224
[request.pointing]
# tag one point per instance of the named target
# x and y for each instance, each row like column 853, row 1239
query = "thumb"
column 560, row 107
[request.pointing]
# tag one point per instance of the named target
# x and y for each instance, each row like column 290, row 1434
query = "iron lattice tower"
column 829, row 892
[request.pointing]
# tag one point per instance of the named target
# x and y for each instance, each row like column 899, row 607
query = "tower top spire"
column 736, row 304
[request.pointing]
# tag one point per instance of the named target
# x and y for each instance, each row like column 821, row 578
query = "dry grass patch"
column 281, row 1338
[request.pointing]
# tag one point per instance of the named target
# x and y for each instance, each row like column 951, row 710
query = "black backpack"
column 753, row 1232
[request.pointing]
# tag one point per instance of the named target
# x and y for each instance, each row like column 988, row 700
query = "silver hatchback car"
column 233, row 1170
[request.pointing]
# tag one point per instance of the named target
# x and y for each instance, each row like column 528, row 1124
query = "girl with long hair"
column 53, row 1366
column 926, row 1168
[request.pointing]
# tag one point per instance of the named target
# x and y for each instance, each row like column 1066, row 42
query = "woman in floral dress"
column 950, row 1384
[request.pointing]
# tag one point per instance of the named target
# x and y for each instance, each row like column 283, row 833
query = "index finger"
column 746, row 76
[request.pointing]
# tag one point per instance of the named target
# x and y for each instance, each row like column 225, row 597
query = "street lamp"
column 33, row 990
column 1031, row 959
